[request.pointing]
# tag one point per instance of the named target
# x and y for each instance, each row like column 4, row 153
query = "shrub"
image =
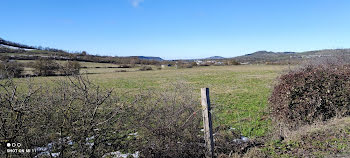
column 312, row 93
column 188, row 66
column 45, row 67
column 83, row 53
column 185, row 66
column 10, row 69
column 232, row 62
column 145, row 68
column 205, row 64
column 73, row 118
column 194, row 64
column 70, row 68
column 168, row 123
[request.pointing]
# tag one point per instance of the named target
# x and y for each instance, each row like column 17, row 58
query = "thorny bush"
column 168, row 123
column 315, row 92
column 71, row 118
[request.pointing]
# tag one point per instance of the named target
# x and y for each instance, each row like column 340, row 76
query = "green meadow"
column 238, row 94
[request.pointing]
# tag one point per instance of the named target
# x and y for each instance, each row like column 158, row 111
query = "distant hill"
column 284, row 57
column 215, row 57
column 264, row 53
column 209, row 58
column 16, row 51
column 264, row 56
column 13, row 45
column 149, row 58
column 19, row 51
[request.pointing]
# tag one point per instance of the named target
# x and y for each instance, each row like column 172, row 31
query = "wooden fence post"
column 207, row 122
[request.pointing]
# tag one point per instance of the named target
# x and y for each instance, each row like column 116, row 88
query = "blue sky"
column 177, row 29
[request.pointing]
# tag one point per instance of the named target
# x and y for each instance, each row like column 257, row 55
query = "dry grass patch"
column 327, row 139
column 332, row 125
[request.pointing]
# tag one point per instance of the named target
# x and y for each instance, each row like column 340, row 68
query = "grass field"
column 239, row 96
column 238, row 93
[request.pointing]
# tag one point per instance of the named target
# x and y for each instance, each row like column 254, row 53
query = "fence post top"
column 205, row 89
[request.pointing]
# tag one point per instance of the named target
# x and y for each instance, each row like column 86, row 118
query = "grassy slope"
column 90, row 67
column 83, row 64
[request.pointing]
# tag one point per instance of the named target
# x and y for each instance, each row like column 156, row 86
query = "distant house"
column 199, row 62
column 165, row 65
